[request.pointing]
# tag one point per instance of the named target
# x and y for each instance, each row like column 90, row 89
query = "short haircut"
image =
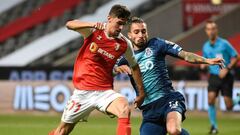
column 134, row 20
column 209, row 22
column 120, row 11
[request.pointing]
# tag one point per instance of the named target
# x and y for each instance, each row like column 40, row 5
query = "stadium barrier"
column 51, row 96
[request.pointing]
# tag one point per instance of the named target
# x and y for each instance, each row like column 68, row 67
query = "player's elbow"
column 70, row 25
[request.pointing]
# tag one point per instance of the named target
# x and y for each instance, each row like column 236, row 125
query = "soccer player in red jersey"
column 93, row 78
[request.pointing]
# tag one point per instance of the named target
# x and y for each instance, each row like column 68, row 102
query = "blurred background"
column 37, row 52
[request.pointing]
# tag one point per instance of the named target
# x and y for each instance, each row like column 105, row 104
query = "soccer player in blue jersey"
column 220, row 79
column 163, row 108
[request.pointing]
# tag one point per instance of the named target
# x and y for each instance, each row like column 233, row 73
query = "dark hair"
column 120, row 11
column 134, row 19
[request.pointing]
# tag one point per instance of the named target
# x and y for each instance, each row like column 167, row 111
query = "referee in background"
column 220, row 79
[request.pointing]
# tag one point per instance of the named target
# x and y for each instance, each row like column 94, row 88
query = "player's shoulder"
column 206, row 44
column 124, row 39
column 223, row 41
column 156, row 41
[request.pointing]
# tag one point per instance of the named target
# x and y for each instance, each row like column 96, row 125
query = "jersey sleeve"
column 129, row 55
column 231, row 50
column 121, row 61
column 170, row 48
column 204, row 52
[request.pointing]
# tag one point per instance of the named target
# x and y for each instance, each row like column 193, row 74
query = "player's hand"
column 223, row 73
column 216, row 61
column 99, row 26
column 139, row 100
column 123, row 69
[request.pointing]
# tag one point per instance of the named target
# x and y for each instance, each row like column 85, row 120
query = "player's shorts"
column 83, row 102
column 155, row 113
column 224, row 85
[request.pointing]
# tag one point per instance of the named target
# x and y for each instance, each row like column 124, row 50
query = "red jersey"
column 96, row 58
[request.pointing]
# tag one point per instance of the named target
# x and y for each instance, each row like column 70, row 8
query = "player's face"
column 211, row 31
column 138, row 34
column 115, row 25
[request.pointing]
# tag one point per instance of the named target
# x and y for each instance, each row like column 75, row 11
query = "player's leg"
column 120, row 108
column 228, row 102
column 174, row 121
column 214, row 84
column 78, row 108
column 111, row 102
column 227, row 91
column 151, row 128
column 62, row 129
column 175, row 113
column 212, row 110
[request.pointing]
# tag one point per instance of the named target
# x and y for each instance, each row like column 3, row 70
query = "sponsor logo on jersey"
column 148, row 65
column 148, row 52
column 93, row 47
column 105, row 53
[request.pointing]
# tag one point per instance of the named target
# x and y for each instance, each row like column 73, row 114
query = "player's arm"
column 204, row 66
column 84, row 28
column 234, row 56
column 121, row 66
column 197, row 59
column 136, row 74
column 175, row 50
column 234, row 59
column 233, row 63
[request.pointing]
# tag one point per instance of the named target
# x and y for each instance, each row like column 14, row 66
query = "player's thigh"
column 227, row 86
column 174, row 121
column 151, row 128
column 214, row 85
column 227, row 90
column 119, row 107
column 79, row 106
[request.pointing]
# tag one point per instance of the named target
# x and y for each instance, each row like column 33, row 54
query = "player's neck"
column 136, row 48
column 106, row 31
column 213, row 40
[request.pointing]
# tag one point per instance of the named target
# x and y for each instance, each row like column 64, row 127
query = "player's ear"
column 129, row 35
column 109, row 18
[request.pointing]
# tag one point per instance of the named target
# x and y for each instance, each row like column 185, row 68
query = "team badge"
column 93, row 47
column 148, row 52
column 117, row 46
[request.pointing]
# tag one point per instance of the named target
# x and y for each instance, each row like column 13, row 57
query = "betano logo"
column 41, row 97
column 94, row 48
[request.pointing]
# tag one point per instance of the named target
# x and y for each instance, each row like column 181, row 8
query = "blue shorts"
column 155, row 113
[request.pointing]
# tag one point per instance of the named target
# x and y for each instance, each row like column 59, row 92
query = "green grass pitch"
column 229, row 124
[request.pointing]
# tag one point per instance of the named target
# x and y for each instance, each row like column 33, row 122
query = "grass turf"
column 102, row 125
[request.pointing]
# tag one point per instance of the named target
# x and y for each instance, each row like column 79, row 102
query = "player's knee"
column 229, row 107
column 173, row 128
column 174, row 131
column 124, row 112
column 211, row 102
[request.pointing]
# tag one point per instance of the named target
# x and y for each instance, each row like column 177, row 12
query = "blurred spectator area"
column 165, row 18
